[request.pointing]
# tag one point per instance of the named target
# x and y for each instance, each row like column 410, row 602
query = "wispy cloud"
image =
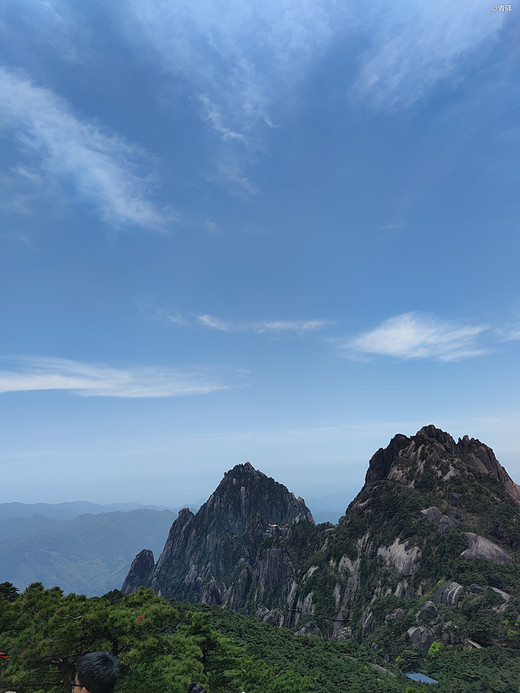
column 240, row 60
column 416, row 45
column 262, row 326
column 417, row 336
column 246, row 57
column 237, row 53
column 510, row 333
column 21, row 238
column 148, row 307
column 215, row 118
column 95, row 380
column 104, row 171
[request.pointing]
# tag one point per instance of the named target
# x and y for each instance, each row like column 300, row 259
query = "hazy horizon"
column 346, row 487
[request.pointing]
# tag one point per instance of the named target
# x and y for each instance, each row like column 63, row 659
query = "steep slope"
column 428, row 551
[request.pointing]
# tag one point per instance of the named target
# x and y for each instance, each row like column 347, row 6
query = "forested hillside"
column 164, row 645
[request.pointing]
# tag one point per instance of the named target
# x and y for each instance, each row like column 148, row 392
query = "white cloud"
column 94, row 380
column 239, row 54
column 510, row 334
column 262, row 326
column 415, row 45
column 103, row 170
column 246, row 58
column 418, row 336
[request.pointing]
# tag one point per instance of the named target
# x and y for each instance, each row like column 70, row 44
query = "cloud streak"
column 238, row 54
column 94, row 380
column 417, row 336
column 104, row 171
column 262, row 326
column 245, row 57
column 416, row 45
column 239, row 60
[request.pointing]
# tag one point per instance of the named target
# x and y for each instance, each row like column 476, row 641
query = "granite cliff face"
column 437, row 524
column 222, row 554
column 428, row 550
column 140, row 572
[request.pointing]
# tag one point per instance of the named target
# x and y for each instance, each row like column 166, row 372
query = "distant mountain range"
column 70, row 510
column 427, row 555
column 81, row 547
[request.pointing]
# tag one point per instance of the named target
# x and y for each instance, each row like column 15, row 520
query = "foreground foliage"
column 163, row 646
column 45, row 631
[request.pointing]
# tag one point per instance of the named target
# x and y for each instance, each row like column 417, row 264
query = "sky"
column 276, row 232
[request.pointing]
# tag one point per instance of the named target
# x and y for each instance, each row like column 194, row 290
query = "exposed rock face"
column 399, row 557
column 444, row 523
column 430, row 480
column 481, row 458
column 429, row 506
column 232, row 552
column 421, row 638
column 384, row 459
column 140, row 572
column 367, row 622
column 428, row 613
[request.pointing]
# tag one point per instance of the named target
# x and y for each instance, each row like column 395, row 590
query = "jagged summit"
column 247, row 467
column 434, row 451
column 140, row 571
column 245, row 492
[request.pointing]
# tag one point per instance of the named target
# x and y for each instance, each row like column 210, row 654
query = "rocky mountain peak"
column 441, row 437
column 140, row 571
column 241, row 470
column 245, row 492
column 212, row 556
column 434, row 451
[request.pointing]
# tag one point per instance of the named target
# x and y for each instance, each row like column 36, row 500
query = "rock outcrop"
column 140, row 572
column 480, row 547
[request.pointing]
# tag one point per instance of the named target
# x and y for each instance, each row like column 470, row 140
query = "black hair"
column 195, row 688
column 98, row 672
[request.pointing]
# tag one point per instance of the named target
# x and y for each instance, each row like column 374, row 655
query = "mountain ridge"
column 432, row 539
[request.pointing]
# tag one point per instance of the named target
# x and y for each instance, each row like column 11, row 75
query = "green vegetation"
column 163, row 646
column 345, row 666
column 159, row 647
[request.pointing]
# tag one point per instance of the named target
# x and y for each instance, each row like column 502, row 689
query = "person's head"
column 96, row 672
column 195, row 688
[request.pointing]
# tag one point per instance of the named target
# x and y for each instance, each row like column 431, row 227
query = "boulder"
column 428, row 613
column 421, row 638
column 479, row 547
column 448, row 594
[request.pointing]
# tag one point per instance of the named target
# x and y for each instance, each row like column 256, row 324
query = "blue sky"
column 279, row 232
